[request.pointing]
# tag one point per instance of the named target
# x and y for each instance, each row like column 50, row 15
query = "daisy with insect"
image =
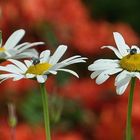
column 11, row 50
column 39, row 69
column 128, row 67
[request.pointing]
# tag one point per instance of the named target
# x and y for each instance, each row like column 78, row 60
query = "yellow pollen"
column 131, row 62
column 2, row 49
column 38, row 69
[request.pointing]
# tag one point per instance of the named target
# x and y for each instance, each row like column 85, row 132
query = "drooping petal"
column 69, row 71
column 14, row 39
column 120, row 42
column 95, row 74
column 58, row 54
column 120, row 90
column 102, row 78
column 41, row 78
column 123, row 81
column 121, row 76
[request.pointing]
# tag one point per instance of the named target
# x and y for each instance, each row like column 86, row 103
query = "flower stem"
column 12, row 120
column 129, row 111
column 45, row 110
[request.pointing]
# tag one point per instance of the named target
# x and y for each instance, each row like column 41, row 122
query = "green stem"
column 45, row 110
column 129, row 111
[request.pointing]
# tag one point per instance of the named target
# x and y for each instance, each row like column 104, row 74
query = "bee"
column 35, row 61
column 132, row 51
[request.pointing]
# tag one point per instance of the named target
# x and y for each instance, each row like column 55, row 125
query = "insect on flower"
column 35, row 60
column 133, row 51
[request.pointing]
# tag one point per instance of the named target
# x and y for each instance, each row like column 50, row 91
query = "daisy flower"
column 40, row 67
column 127, row 65
column 11, row 50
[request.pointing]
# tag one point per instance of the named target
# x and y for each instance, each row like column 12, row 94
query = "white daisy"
column 40, row 67
column 11, row 50
column 128, row 65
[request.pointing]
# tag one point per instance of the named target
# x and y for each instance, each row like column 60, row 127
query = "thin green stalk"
column 12, row 120
column 129, row 111
column 45, row 110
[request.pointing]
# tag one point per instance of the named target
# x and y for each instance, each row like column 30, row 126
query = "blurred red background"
column 79, row 109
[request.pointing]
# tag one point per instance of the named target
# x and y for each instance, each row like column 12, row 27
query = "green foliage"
column 116, row 10
column 31, row 108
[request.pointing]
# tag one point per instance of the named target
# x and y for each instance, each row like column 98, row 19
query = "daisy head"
column 127, row 64
column 11, row 48
column 40, row 67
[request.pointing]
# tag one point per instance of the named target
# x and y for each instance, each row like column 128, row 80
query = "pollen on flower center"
column 131, row 62
column 2, row 49
column 39, row 69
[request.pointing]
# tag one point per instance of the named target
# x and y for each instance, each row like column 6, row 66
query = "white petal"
column 70, row 58
column 18, row 77
column 102, row 78
column 52, row 72
column 45, row 55
column 29, row 53
column 4, row 77
column 70, row 71
column 58, row 54
column 120, row 42
column 117, row 53
column 102, row 66
column 28, row 63
column 30, row 75
column 7, row 75
column 30, row 45
column 123, row 81
column 137, row 74
column 95, row 74
column 21, row 45
column 11, row 68
column 121, row 76
column 18, row 64
column 41, row 78
column 14, row 39
column 4, row 68
column 78, row 60
column 14, row 68
column 121, row 90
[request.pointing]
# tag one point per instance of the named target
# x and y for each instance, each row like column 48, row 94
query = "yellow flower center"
column 2, row 49
column 131, row 62
column 38, row 69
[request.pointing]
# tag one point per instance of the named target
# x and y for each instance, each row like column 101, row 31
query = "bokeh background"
column 79, row 109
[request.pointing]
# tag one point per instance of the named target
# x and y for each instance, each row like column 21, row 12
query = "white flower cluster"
column 38, row 67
